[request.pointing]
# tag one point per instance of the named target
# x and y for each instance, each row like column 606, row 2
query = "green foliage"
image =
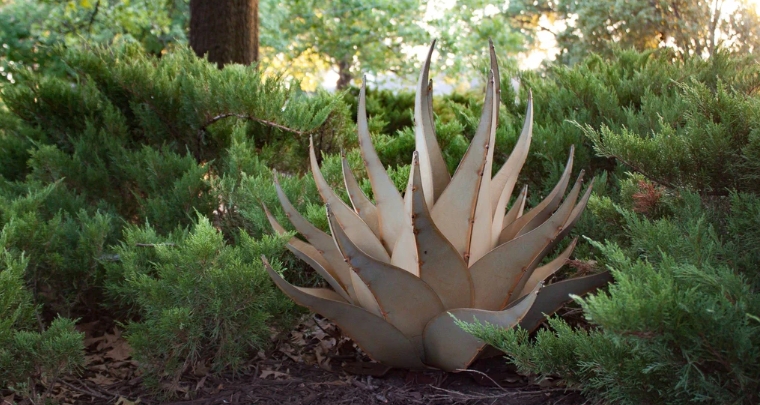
column 128, row 151
column 463, row 27
column 178, row 101
column 63, row 247
column 128, row 139
column 388, row 111
column 29, row 358
column 355, row 38
column 702, row 136
column 743, row 235
column 677, row 325
column 30, row 30
column 682, row 124
column 16, row 303
column 202, row 302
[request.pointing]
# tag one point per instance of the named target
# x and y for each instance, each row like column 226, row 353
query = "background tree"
column 225, row 31
column 352, row 36
column 689, row 27
column 464, row 26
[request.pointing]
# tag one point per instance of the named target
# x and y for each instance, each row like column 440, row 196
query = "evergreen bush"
column 202, row 302
column 680, row 323
column 127, row 149
column 29, row 357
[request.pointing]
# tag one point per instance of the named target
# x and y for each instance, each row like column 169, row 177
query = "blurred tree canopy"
column 690, row 27
column 351, row 35
column 305, row 38
column 300, row 37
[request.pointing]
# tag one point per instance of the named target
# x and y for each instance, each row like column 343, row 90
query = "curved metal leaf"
column 498, row 273
column 546, row 207
column 379, row 339
column 441, row 267
column 310, row 255
column 405, row 250
column 552, row 297
column 565, row 228
column 517, row 208
column 435, row 175
column 320, row 240
column 362, row 205
column 323, row 293
column 545, row 271
column 454, row 211
column 577, row 211
column 504, row 181
column 387, row 198
column 482, row 239
column 297, row 244
column 405, row 301
column 348, row 219
column 543, row 210
column 405, row 254
column 496, row 74
column 450, row 348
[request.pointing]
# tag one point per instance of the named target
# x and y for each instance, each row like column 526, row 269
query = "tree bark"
column 227, row 31
column 344, row 75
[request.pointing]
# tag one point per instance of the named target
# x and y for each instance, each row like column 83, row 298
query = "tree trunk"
column 227, row 31
column 344, row 76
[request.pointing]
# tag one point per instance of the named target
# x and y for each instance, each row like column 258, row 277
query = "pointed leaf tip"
column 435, row 175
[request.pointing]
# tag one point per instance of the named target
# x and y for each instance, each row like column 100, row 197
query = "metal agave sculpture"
column 403, row 268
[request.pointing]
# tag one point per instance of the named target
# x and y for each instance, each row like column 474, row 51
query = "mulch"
column 312, row 364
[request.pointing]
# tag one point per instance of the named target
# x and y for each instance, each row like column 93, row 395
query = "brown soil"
column 312, row 364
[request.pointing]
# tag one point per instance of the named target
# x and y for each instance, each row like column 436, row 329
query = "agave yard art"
column 404, row 267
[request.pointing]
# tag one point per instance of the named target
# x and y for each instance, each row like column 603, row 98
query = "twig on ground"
column 86, row 390
column 486, row 376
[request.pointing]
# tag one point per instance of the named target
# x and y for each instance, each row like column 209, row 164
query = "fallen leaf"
column 288, row 351
column 92, row 340
column 101, row 379
column 93, row 359
column 200, row 369
column 120, row 351
column 124, row 401
column 322, row 360
column 275, row 374
column 121, row 371
column 88, row 327
column 200, row 383
column 297, row 338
